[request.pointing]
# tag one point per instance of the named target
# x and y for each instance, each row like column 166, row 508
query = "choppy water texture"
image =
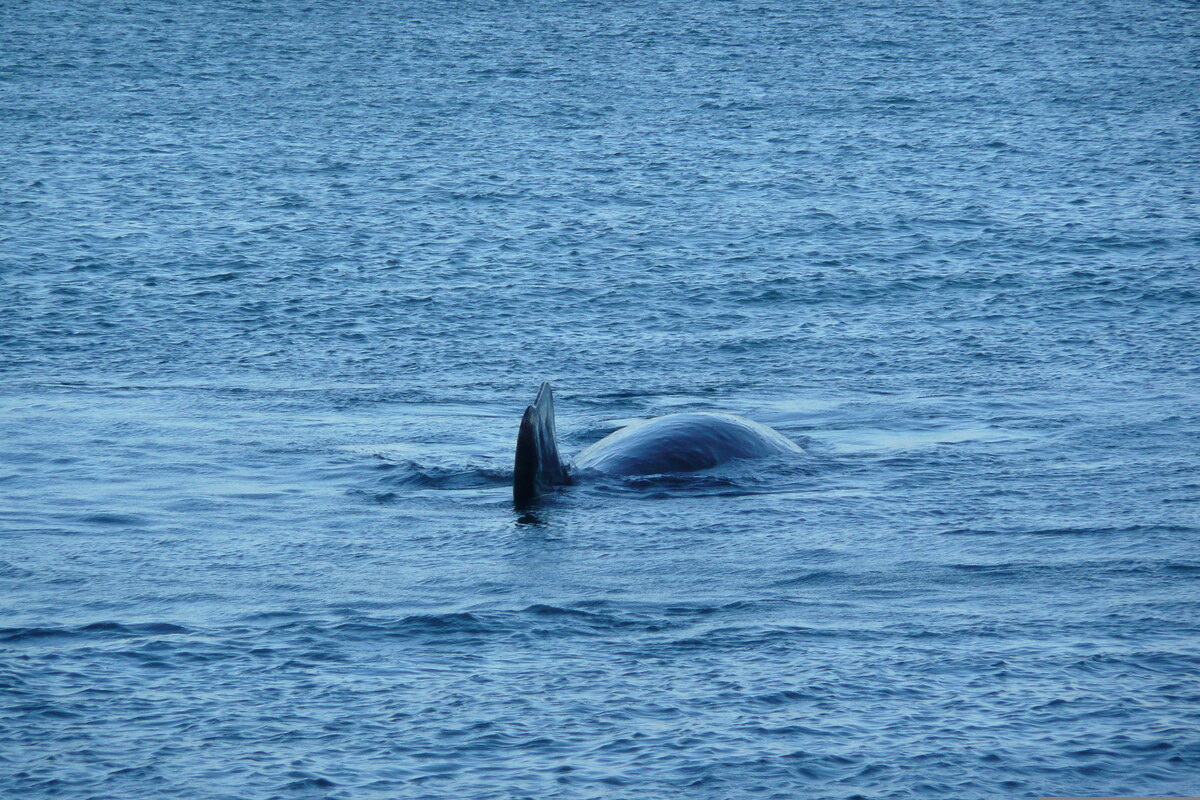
column 278, row 278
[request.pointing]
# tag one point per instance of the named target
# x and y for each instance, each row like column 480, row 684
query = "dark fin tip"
column 537, row 468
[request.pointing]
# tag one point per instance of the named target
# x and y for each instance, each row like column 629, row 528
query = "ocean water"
column 278, row 278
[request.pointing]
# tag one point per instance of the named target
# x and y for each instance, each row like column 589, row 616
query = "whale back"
column 682, row 443
column 537, row 468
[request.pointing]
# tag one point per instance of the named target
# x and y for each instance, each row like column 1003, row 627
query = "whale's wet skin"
column 277, row 280
column 675, row 443
column 682, row 443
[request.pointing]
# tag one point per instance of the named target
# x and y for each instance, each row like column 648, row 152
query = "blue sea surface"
column 278, row 278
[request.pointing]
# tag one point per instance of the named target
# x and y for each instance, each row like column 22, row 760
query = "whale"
column 685, row 442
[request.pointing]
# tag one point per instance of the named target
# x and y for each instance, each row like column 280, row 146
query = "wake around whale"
column 673, row 443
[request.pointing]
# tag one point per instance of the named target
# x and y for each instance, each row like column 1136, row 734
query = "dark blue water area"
column 277, row 280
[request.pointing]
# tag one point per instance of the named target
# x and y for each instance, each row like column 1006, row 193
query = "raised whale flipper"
column 537, row 469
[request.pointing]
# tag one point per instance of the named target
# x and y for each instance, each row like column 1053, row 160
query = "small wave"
column 753, row 636
column 784, row 697
column 536, row 621
column 412, row 475
column 735, row 479
column 306, row 782
column 814, row 578
column 8, row 570
column 95, row 629
column 1099, row 530
column 114, row 519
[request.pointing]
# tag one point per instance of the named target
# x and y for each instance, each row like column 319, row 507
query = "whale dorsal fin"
column 537, row 469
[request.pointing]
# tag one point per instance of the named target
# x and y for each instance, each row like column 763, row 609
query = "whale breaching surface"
column 674, row 443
